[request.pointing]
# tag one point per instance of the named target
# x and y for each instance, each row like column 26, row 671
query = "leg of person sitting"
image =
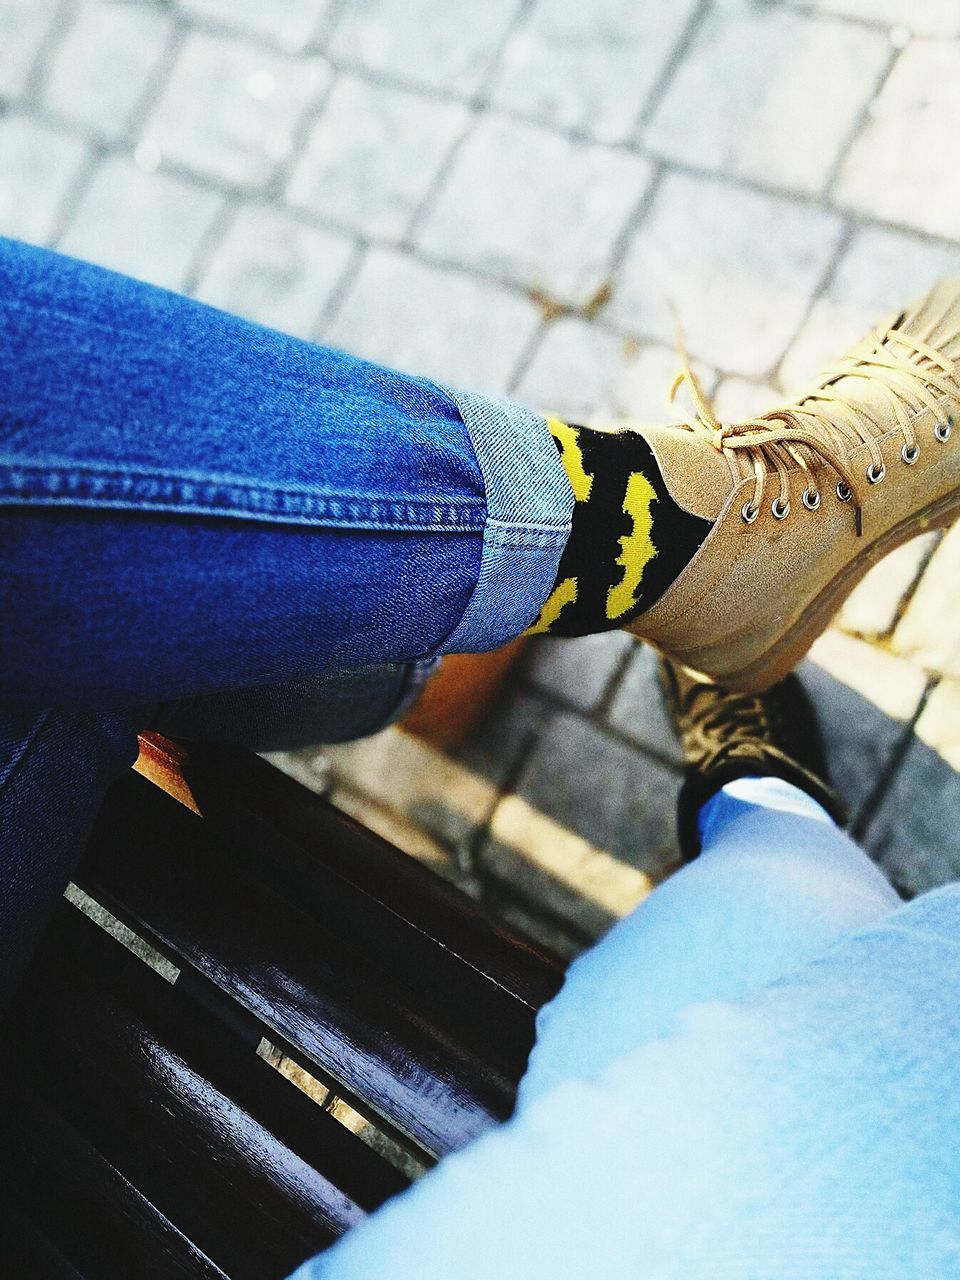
column 255, row 508
column 754, row 1075
column 190, row 504
column 776, row 882
column 770, row 880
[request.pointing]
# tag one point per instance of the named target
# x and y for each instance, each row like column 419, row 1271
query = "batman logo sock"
column 629, row 539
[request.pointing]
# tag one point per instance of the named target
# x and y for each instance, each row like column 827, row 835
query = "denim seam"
column 165, row 491
column 86, row 324
column 415, row 679
column 520, row 535
column 24, row 747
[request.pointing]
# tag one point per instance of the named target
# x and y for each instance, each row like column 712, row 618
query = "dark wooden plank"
column 341, row 1005
column 460, row 943
column 28, row 1252
column 251, row 1172
column 85, row 1209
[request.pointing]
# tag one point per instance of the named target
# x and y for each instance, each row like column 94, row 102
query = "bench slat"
column 83, row 1206
column 28, row 1252
column 463, row 949
column 344, row 1009
column 255, row 1176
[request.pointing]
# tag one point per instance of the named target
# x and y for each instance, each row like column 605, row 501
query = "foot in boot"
column 729, row 546
column 726, row 735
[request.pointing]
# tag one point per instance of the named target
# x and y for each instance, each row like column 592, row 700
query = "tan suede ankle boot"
column 805, row 498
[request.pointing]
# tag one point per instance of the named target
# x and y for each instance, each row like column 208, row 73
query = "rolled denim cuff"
column 529, row 508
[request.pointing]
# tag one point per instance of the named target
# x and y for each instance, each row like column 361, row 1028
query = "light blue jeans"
column 756, row 1076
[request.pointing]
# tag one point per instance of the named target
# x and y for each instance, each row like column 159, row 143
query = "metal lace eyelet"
column 910, row 453
column 749, row 513
column 780, row 509
column 811, row 499
column 844, row 492
column 942, row 430
column 876, row 472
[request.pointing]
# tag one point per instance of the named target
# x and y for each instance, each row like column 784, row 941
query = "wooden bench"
column 145, row 1132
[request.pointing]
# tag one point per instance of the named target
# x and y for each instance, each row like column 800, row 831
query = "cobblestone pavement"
column 507, row 195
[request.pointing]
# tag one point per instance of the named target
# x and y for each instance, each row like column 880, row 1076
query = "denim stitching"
column 517, row 534
column 86, row 323
column 518, row 460
column 44, row 485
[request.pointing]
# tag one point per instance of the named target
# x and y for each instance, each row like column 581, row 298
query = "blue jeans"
column 211, row 527
column 192, row 503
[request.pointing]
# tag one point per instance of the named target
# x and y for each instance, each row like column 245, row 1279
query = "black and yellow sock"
column 629, row 539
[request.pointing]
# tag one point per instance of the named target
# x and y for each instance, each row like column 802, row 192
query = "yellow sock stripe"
column 571, row 458
column 636, row 549
column 563, row 593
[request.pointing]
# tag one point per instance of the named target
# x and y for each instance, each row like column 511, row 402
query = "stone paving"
column 513, row 196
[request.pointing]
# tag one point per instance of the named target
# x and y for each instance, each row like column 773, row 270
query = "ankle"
column 629, row 538
column 771, row 781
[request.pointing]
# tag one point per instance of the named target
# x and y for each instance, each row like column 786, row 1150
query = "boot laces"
column 824, row 425
column 715, row 714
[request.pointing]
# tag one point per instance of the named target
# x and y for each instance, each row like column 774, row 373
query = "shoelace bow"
column 823, row 425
